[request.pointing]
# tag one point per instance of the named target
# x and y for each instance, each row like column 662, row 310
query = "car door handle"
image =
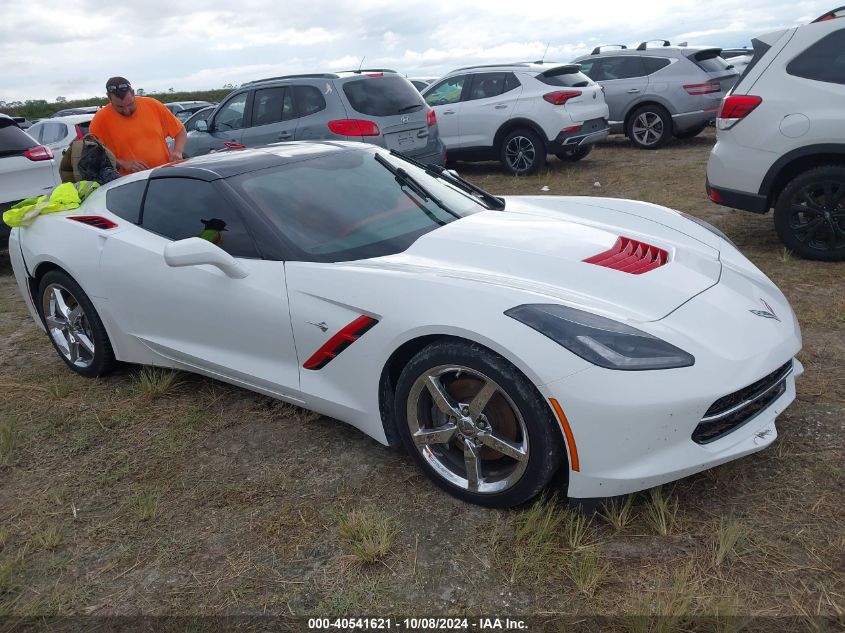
column 501, row 106
column 633, row 90
column 448, row 112
column 284, row 136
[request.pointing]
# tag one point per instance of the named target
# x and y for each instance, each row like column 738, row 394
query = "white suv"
column 517, row 113
column 781, row 137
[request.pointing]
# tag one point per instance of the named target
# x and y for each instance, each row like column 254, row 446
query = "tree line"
column 41, row 109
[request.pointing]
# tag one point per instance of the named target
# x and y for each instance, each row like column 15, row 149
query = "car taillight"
column 39, row 153
column 431, row 118
column 559, row 97
column 375, row 74
column 79, row 134
column 703, row 89
column 354, row 127
column 735, row 108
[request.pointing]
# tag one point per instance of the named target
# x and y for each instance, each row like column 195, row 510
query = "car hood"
column 538, row 246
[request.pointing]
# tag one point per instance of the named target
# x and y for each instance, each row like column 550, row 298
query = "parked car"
column 27, row 169
column 518, row 113
column 781, row 137
column 22, row 122
column 613, row 344
column 58, row 132
column 184, row 109
column 739, row 58
column 80, row 110
column 200, row 115
column 421, row 83
column 375, row 106
column 656, row 93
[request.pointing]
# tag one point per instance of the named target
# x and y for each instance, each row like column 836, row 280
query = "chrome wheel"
column 648, row 128
column 520, row 153
column 68, row 325
column 467, row 429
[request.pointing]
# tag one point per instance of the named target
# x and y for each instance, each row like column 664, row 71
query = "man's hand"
column 174, row 155
column 131, row 166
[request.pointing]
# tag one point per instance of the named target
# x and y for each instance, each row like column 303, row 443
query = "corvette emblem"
column 769, row 313
column 322, row 325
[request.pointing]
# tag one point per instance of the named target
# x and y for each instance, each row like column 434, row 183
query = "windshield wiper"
column 409, row 107
column 407, row 180
column 489, row 200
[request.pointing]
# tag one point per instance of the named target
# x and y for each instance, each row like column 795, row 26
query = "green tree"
column 61, row 100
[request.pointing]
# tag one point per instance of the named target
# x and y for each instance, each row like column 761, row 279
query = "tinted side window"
column 178, row 208
column 381, row 96
column 308, row 100
column 446, row 92
column 13, row 140
column 511, row 82
column 271, row 105
column 125, row 201
column 621, row 68
column 589, row 67
column 653, row 64
column 36, row 131
column 231, row 116
column 486, row 85
column 823, row 61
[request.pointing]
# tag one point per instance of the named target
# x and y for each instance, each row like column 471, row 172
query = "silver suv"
column 374, row 106
column 781, row 137
column 655, row 93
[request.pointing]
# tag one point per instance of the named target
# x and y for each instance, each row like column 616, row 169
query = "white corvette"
column 502, row 341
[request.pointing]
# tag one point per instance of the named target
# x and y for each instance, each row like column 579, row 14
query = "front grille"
column 730, row 412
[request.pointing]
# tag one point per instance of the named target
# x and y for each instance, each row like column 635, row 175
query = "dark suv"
column 374, row 106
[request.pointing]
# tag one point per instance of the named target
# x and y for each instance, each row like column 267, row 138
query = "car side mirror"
column 201, row 126
column 195, row 251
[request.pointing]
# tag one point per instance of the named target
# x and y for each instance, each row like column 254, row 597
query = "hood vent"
column 93, row 220
column 630, row 256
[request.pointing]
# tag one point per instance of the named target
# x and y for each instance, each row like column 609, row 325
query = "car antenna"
column 543, row 58
column 362, row 63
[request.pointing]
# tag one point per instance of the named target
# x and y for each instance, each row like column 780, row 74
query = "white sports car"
column 502, row 341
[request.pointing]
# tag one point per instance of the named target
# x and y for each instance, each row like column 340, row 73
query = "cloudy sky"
column 69, row 48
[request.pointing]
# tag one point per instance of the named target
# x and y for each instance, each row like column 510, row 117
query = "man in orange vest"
column 135, row 129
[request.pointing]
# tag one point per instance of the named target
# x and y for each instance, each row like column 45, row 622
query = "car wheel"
column 650, row 127
column 476, row 426
column 810, row 214
column 691, row 133
column 574, row 154
column 522, row 152
column 74, row 326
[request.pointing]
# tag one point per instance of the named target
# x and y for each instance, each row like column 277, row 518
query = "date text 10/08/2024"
column 412, row 624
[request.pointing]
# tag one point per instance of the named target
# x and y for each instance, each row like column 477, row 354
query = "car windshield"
column 347, row 205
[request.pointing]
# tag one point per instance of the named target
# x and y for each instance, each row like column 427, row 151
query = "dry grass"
column 166, row 493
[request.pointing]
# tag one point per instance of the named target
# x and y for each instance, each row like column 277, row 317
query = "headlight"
column 601, row 341
column 709, row 227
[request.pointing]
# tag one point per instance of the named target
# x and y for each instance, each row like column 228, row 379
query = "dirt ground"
column 166, row 494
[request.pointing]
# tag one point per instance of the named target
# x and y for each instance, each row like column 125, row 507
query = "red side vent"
column 630, row 256
column 339, row 342
column 93, row 220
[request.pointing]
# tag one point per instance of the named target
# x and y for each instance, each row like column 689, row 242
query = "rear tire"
column 810, row 214
column 575, row 154
column 522, row 152
column 498, row 448
column 649, row 127
column 73, row 325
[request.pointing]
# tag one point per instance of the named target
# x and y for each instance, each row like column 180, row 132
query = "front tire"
column 650, row 127
column 522, row 152
column 74, row 327
column 575, row 154
column 810, row 214
column 476, row 425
